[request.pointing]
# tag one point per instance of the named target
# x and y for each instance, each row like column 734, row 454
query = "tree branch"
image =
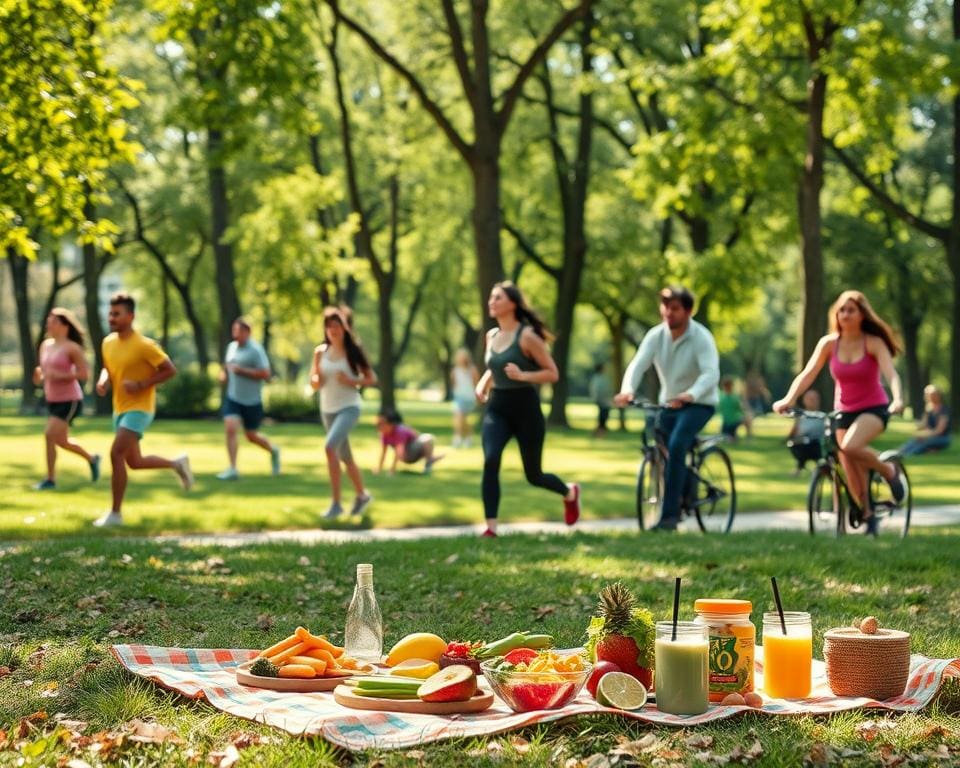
column 895, row 207
column 528, row 248
column 459, row 49
column 433, row 109
column 512, row 94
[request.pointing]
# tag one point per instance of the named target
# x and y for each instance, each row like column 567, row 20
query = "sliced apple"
column 456, row 683
column 421, row 668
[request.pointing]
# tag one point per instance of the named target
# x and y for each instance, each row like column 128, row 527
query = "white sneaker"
column 108, row 520
column 275, row 461
column 228, row 474
column 361, row 503
column 181, row 465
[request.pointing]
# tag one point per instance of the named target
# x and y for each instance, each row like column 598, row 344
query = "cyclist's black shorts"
column 846, row 418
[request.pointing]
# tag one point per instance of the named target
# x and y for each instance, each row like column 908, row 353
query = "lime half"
column 621, row 691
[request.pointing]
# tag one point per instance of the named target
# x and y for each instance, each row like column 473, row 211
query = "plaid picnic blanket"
column 210, row 674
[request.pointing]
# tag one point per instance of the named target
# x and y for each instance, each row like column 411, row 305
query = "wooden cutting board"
column 481, row 700
column 290, row 685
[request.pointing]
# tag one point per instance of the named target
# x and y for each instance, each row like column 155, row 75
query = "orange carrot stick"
column 273, row 650
column 319, row 653
column 299, row 671
column 317, row 641
column 318, row 665
column 293, row 650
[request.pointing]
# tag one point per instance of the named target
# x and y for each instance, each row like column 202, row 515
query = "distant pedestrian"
column 933, row 430
column 730, row 406
column 340, row 368
column 463, row 380
column 805, row 440
column 409, row 446
column 63, row 365
column 601, row 392
column 245, row 369
column 133, row 366
column 517, row 362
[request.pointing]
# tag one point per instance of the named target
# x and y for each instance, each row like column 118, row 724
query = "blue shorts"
column 134, row 421
column 250, row 415
column 464, row 404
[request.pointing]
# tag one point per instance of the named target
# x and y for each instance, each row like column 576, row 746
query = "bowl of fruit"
column 537, row 679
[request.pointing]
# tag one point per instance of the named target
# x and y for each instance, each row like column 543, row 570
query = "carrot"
column 347, row 662
column 273, row 650
column 293, row 650
column 319, row 653
column 300, row 671
column 318, row 641
column 318, row 665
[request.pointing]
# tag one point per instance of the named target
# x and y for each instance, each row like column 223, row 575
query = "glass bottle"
column 363, row 636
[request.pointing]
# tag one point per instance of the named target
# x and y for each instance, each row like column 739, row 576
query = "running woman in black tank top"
column 517, row 361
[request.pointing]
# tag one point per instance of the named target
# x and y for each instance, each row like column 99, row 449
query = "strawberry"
column 623, row 633
column 458, row 649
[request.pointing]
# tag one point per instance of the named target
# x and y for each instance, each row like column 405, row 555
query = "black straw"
column 676, row 609
column 776, row 598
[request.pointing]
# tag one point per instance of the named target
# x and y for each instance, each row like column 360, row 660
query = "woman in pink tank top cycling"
column 860, row 348
column 62, row 367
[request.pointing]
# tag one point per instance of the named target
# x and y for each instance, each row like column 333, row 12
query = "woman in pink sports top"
column 860, row 348
column 62, row 367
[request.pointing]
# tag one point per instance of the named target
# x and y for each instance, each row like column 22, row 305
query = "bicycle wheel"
column 820, row 503
column 716, row 494
column 649, row 492
column 882, row 503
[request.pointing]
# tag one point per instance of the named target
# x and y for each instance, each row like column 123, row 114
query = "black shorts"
column 846, row 418
column 66, row 411
column 250, row 415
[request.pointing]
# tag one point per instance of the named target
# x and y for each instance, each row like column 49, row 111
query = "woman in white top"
column 463, row 378
column 340, row 368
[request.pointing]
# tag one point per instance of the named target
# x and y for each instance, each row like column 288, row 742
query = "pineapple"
column 623, row 633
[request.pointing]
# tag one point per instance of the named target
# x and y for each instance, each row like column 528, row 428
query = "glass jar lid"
column 720, row 605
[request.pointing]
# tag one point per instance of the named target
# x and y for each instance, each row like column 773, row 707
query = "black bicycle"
column 709, row 492
column 830, row 505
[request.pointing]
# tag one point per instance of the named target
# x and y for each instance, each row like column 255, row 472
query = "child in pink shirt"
column 409, row 446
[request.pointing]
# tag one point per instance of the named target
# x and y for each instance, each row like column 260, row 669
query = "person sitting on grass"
column 933, row 430
column 733, row 415
column 409, row 446
column 806, row 436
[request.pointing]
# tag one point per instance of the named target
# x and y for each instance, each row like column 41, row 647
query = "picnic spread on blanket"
column 679, row 673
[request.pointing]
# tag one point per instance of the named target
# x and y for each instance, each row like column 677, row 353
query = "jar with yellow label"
column 732, row 640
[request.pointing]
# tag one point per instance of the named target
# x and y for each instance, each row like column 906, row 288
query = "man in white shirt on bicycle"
column 685, row 357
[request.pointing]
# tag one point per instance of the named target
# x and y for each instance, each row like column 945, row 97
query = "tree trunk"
column 387, row 385
column 486, row 223
column 196, row 326
column 616, row 324
column 812, row 322
column 19, row 266
column 222, row 250
column 91, row 302
column 953, row 246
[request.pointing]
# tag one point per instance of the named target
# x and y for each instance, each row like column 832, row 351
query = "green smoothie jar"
column 681, row 668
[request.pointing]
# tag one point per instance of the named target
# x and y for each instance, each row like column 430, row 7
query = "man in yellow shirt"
column 133, row 365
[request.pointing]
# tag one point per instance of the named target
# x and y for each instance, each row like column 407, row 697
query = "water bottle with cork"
column 363, row 637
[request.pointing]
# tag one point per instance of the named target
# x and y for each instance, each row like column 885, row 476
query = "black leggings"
column 514, row 413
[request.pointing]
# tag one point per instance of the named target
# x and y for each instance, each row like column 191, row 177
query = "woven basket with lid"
column 876, row 666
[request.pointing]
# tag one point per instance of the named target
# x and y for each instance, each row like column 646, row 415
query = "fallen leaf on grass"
column 50, row 691
column 414, row 754
column 699, row 741
column 868, row 730
column 151, row 733
column 451, row 559
column 544, row 611
column 245, row 739
column 520, row 744
column 264, row 621
column 4, row 671
column 304, row 561
column 229, row 757
column 76, row 762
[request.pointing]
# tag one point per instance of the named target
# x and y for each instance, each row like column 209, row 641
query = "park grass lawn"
column 66, row 600
column 155, row 504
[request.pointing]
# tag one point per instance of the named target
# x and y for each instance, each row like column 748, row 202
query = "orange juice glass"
column 787, row 658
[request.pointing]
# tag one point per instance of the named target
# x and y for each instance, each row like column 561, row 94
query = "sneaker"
column 108, row 520
column 873, row 525
column 181, row 465
column 571, row 509
column 335, row 510
column 95, row 468
column 430, row 462
column 275, row 461
column 45, row 485
column 228, row 474
column 360, row 504
column 898, row 485
column 488, row 534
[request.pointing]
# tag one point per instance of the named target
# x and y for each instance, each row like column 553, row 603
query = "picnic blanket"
column 210, row 674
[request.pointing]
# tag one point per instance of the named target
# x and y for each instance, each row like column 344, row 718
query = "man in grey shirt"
column 685, row 356
column 245, row 368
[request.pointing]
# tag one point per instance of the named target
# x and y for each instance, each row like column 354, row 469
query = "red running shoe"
column 488, row 533
column 571, row 509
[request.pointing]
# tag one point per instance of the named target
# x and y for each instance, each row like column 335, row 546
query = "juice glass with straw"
column 681, row 668
column 787, row 655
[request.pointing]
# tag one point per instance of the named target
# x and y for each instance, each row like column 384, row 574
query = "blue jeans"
column 680, row 427
column 923, row 444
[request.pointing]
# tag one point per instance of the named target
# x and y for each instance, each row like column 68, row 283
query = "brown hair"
column 65, row 316
column 523, row 312
column 872, row 323
column 677, row 293
column 123, row 298
column 356, row 357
